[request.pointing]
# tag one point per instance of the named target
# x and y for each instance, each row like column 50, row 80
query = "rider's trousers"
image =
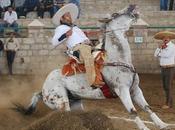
column 87, row 58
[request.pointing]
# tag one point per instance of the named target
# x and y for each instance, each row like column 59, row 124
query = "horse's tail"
column 32, row 106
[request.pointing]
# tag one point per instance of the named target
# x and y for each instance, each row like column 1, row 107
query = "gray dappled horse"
column 118, row 73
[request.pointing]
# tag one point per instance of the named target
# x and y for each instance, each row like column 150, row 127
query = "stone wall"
column 143, row 53
column 91, row 10
column 37, row 56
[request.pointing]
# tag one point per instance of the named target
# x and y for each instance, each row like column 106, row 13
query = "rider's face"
column 66, row 18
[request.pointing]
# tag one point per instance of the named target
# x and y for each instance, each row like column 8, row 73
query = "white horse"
column 118, row 72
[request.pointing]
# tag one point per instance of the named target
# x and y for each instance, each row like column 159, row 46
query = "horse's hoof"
column 169, row 127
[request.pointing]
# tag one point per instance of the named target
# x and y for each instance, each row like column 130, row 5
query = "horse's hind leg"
column 125, row 97
column 138, row 97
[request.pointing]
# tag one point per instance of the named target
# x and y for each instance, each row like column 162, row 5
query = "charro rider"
column 74, row 37
column 166, row 54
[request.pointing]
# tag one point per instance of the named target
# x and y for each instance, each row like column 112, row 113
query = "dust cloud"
column 18, row 88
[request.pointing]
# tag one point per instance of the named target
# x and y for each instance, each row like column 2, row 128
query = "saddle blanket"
column 73, row 67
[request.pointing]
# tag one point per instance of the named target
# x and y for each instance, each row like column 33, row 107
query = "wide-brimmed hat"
column 71, row 8
column 163, row 34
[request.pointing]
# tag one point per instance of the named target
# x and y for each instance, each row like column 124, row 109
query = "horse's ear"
column 105, row 20
column 131, row 7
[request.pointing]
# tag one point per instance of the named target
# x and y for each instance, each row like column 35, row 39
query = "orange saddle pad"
column 73, row 67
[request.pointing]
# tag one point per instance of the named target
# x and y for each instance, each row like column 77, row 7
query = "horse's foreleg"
column 125, row 97
column 66, row 105
column 140, row 100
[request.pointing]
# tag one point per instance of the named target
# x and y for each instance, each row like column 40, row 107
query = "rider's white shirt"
column 167, row 55
column 77, row 36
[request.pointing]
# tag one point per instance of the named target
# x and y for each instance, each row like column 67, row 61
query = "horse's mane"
column 126, row 10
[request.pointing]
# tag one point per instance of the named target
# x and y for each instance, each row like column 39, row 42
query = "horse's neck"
column 123, row 41
column 111, row 50
column 121, row 52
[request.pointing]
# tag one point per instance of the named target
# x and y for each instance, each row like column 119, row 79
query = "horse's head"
column 118, row 24
column 123, row 19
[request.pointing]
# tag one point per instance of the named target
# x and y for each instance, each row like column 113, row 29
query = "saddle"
column 74, row 66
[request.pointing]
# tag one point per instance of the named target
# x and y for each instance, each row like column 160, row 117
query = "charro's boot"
column 98, row 79
column 99, row 60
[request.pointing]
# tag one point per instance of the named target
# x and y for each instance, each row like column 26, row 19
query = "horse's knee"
column 61, row 107
column 66, row 106
column 63, row 104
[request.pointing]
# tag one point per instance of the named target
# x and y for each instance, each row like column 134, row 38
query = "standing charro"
column 166, row 54
column 11, row 46
column 75, row 38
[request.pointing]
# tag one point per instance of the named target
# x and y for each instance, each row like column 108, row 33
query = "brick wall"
column 36, row 54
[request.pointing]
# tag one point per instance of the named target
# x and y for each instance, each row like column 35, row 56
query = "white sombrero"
column 71, row 8
column 161, row 35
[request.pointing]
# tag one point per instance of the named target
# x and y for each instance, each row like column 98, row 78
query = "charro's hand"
column 69, row 33
column 163, row 46
column 160, row 46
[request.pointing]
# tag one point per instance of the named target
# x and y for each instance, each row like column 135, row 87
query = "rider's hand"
column 69, row 33
column 162, row 46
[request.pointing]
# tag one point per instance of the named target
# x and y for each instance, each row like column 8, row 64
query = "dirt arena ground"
column 21, row 87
